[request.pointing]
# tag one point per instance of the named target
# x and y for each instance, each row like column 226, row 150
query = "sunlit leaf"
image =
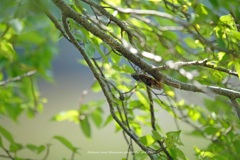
column 7, row 50
column 228, row 19
column 173, row 138
column 194, row 114
column 147, row 140
column 237, row 67
column 143, row 99
column 170, row 93
column 96, row 87
column 115, row 58
column 70, row 115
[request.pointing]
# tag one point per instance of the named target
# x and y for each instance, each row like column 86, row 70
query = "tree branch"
column 28, row 74
column 203, row 63
column 153, row 122
column 130, row 55
column 65, row 9
column 190, row 28
column 112, row 18
column 236, row 106
column 151, row 109
column 149, row 12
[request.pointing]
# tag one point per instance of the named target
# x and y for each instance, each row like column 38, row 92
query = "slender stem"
column 65, row 8
column 28, row 74
column 203, row 63
column 131, row 54
column 151, row 109
column 236, row 106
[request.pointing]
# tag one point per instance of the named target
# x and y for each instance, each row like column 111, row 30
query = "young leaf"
column 15, row 147
column 156, row 135
column 65, row 142
column 85, row 126
column 97, row 117
column 143, row 99
column 173, row 138
column 70, row 115
column 108, row 120
column 90, row 50
column 1, row 143
column 6, row 134
column 237, row 67
column 36, row 149
column 147, row 140
column 96, row 87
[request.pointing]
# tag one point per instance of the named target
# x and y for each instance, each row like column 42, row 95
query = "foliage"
column 166, row 45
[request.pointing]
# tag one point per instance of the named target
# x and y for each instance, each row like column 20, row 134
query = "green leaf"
column 15, row 147
column 90, row 50
column 115, row 58
column 176, row 153
column 156, row 135
column 237, row 67
column 235, row 34
column 7, row 50
column 220, row 55
column 134, row 104
column 1, row 143
column 65, row 142
column 201, row 9
column 96, row 87
column 70, row 115
column 108, row 120
column 228, row 20
column 36, row 149
column 194, row 114
column 97, row 117
column 142, row 98
column 85, row 126
column 214, row 3
column 211, row 130
column 147, row 140
column 173, row 138
column 6, row 134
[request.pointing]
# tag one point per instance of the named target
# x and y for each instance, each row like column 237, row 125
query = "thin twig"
column 203, row 63
column 47, row 152
column 236, row 106
column 57, row 25
column 5, row 31
column 151, row 108
column 112, row 18
column 153, row 121
column 84, row 93
column 129, row 54
column 28, row 74
column 60, row 4
column 35, row 101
